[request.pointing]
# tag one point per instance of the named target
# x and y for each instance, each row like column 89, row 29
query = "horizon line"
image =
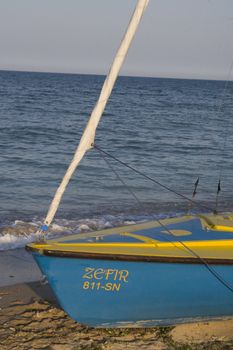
column 120, row 75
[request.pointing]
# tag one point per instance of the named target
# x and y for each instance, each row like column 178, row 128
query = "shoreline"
column 31, row 318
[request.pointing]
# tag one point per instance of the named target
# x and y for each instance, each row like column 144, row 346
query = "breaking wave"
column 19, row 233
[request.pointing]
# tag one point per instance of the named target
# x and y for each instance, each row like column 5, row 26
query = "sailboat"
column 160, row 272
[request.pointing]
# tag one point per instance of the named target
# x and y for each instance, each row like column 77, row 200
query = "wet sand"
column 30, row 318
column 17, row 266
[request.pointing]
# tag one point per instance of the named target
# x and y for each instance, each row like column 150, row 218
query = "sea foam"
column 20, row 233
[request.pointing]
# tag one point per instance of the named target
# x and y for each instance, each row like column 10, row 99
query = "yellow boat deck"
column 188, row 238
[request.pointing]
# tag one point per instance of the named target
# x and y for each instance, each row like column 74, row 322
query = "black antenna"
column 218, row 191
column 195, row 188
column 190, row 204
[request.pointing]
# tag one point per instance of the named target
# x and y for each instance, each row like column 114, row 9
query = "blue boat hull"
column 108, row 293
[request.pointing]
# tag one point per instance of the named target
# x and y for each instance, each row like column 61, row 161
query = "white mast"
column 88, row 136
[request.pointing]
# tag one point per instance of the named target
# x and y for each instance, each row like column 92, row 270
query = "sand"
column 17, row 266
column 30, row 318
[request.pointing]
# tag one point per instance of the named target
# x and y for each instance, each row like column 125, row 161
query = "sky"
column 176, row 38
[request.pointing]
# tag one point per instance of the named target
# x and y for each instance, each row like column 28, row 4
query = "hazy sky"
column 177, row 38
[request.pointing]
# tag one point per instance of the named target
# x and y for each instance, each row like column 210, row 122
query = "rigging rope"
column 219, row 111
column 192, row 252
column 151, row 179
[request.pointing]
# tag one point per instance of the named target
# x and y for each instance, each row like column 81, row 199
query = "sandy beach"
column 31, row 318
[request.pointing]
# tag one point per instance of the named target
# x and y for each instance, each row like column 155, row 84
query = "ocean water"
column 172, row 130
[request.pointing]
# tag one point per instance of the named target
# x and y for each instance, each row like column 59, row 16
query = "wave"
column 20, row 233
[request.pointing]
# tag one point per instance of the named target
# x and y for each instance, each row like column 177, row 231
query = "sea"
column 174, row 131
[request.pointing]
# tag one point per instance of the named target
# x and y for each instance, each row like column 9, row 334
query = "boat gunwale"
column 130, row 258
